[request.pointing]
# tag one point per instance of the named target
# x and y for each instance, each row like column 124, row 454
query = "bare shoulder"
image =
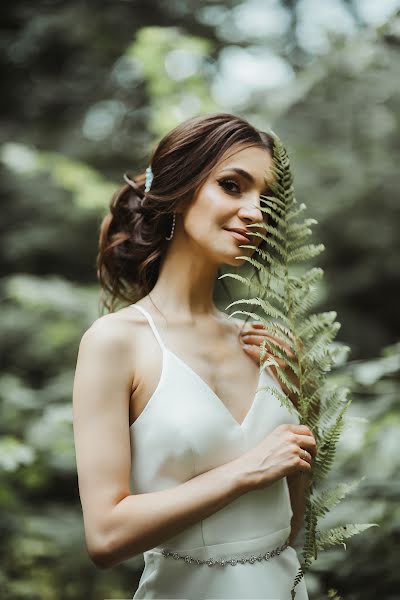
column 113, row 332
column 104, row 362
column 106, row 332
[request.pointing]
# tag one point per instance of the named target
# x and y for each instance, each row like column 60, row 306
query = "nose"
column 251, row 213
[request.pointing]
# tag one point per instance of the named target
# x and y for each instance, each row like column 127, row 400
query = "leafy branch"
column 282, row 300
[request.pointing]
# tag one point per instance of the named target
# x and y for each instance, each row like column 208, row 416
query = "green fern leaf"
column 284, row 300
column 327, row 499
column 337, row 535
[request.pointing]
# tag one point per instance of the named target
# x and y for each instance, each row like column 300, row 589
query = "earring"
column 171, row 235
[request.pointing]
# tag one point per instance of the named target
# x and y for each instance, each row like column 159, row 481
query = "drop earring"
column 171, row 235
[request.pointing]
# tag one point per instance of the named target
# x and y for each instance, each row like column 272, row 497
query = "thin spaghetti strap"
column 151, row 323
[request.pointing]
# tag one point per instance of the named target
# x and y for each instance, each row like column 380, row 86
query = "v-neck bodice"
column 168, row 355
column 185, row 430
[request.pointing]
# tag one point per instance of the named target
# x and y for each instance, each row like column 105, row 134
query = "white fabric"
column 183, row 431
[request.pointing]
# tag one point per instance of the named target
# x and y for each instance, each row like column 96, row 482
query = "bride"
column 182, row 453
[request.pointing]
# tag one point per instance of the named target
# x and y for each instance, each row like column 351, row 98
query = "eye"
column 226, row 183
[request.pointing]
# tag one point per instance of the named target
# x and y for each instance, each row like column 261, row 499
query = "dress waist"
column 238, row 551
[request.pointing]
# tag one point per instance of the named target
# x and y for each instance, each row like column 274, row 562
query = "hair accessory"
column 149, row 179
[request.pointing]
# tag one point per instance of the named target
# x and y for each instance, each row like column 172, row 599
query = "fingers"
column 307, row 442
column 300, row 429
column 306, row 456
column 254, row 324
column 253, row 350
column 258, row 328
column 250, row 336
column 304, row 437
column 257, row 325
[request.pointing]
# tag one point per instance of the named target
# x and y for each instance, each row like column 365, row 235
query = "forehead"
column 256, row 161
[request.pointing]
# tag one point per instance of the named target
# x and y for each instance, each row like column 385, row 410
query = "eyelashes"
column 225, row 183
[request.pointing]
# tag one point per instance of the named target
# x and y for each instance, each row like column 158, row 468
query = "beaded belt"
column 211, row 562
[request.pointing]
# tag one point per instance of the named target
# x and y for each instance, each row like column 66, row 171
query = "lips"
column 239, row 235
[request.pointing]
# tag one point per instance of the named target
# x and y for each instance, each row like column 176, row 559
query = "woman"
column 179, row 456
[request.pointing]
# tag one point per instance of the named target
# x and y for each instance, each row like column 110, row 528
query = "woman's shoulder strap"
column 151, row 323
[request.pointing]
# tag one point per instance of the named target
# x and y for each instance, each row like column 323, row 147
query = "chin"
column 234, row 262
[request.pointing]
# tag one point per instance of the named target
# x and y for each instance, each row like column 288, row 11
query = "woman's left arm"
column 251, row 336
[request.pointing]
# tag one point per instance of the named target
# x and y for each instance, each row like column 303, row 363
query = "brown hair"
column 132, row 235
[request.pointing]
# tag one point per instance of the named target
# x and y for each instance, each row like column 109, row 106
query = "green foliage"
column 283, row 305
column 172, row 96
column 333, row 594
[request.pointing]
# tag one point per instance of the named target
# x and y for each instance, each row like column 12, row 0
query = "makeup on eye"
column 223, row 183
column 242, row 173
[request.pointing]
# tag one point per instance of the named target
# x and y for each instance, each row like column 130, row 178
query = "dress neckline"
column 165, row 350
column 211, row 392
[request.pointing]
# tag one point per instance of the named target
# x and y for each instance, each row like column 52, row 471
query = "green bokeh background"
column 88, row 89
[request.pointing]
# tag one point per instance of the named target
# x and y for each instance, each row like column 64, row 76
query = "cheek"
column 208, row 213
column 196, row 225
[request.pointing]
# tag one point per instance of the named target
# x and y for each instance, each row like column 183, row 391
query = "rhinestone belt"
column 211, row 562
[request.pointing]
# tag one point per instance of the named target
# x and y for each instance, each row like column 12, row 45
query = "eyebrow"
column 243, row 173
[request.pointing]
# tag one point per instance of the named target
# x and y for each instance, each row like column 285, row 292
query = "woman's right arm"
column 118, row 524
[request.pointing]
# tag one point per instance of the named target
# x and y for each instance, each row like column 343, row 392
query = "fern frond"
column 245, row 280
column 299, row 576
column 276, row 350
column 268, row 211
column 283, row 399
column 276, row 244
column 337, row 535
column 316, row 323
column 317, row 344
column 327, row 447
column 274, row 201
column 308, row 279
column 280, row 373
column 264, row 304
column 305, row 252
column 295, row 214
column 326, row 500
column 265, row 255
column 335, row 398
column 253, row 262
column 275, row 205
column 295, row 230
column 283, row 302
column 269, row 229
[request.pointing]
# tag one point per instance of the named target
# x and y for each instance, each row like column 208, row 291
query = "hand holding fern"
column 287, row 450
column 251, row 337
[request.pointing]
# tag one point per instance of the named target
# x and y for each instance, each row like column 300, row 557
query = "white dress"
column 183, row 431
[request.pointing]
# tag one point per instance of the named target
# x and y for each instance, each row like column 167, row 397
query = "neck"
column 185, row 286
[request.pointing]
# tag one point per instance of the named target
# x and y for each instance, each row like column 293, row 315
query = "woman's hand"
column 287, row 450
column 251, row 337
